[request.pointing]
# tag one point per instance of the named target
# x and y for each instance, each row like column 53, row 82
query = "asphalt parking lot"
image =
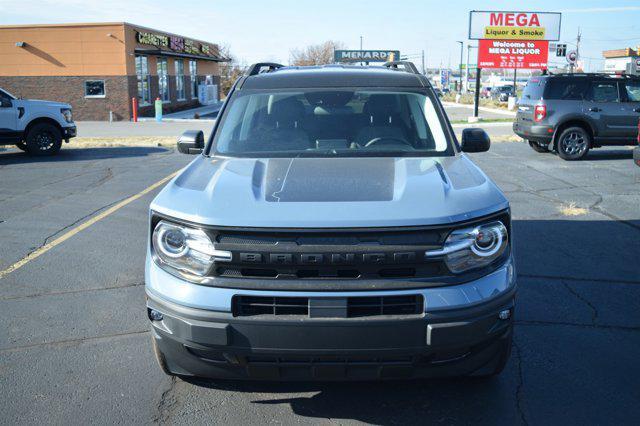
column 75, row 346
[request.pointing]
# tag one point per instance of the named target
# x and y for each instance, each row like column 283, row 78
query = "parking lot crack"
column 579, row 325
column 520, row 386
column 168, row 401
column 574, row 292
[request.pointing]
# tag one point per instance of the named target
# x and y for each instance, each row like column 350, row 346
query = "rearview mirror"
column 475, row 140
column 191, row 142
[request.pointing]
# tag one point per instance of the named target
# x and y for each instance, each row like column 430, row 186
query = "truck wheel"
column 573, row 143
column 538, row 147
column 22, row 146
column 162, row 362
column 43, row 139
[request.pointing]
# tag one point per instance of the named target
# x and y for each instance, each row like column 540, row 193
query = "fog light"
column 155, row 315
column 505, row 315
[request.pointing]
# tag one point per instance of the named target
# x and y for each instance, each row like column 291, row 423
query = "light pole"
column 461, row 56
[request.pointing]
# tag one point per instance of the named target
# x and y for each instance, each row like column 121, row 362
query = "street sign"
column 366, row 55
column 444, row 78
column 500, row 25
column 513, row 54
column 572, row 57
column 561, row 50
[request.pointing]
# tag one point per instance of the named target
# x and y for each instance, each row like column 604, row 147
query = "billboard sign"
column 496, row 25
column 521, row 54
column 366, row 55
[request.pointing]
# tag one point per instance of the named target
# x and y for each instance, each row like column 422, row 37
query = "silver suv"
column 331, row 228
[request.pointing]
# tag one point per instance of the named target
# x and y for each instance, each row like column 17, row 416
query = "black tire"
column 162, row 362
column 43, row 139
column 573, row 143
column 538, row 147
column 22, row 146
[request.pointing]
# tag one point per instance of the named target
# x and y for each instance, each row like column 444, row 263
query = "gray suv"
column 331, row 228
column 572, row 113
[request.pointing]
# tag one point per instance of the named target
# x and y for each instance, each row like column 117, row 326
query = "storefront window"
column 163, row 80
column 180, row 80
column 193, row 75
column 142, row 74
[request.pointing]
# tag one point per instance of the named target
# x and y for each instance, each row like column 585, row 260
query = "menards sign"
column 498, row 25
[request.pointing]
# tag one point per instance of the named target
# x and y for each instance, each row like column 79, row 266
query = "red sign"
column 521, row 54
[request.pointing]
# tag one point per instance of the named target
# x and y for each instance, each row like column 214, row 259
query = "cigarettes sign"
column 513, row 54
column 514, row 25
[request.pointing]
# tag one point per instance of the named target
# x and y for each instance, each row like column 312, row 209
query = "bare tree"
column 229, row 71
column 317, row 54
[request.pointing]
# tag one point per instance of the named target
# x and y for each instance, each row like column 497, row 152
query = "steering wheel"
column 387, row 140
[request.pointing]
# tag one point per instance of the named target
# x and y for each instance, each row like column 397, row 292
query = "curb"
column 485, row 109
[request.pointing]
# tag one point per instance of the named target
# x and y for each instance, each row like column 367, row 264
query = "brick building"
column 98, row 68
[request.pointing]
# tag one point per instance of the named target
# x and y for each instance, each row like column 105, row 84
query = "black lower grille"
column 349, row 307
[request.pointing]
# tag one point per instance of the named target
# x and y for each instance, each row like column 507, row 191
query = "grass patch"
column 572, row 210
column 490, row 120
column 164, row 141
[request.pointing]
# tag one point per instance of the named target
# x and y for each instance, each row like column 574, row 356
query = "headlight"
column 68, row 116
column 184, row 249
column 472, row 248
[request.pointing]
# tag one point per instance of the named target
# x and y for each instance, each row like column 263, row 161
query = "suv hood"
column 329, row 192
column 41, row 103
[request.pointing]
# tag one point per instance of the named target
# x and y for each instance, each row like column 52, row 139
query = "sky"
column 268, row 30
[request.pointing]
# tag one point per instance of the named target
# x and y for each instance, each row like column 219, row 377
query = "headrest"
column 287, row 111
column 381, row 105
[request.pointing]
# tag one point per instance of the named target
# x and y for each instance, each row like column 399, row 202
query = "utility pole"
column 466, row 70
column 461, row 55
column 361, row 63
column 423, row 70
column 574, row 66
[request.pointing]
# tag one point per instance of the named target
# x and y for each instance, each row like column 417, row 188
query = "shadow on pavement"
column 15, row 156
column 609, row 154
column 393, row 402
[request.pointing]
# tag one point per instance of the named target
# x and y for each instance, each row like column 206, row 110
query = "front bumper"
column 69, row 132
column 459, row 333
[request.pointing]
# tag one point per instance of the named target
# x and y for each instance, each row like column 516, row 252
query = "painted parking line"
column 84, row 225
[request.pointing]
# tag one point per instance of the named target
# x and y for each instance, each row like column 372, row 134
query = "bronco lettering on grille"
column 328, row 258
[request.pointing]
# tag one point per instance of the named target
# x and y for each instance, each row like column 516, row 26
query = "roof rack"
column 592, row 74
column 407, row 66
column 256, row 68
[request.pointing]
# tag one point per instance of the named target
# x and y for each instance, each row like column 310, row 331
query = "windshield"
column 331, row 123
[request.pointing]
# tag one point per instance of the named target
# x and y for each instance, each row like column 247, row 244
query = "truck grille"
column 349, row 307
column 319, row 254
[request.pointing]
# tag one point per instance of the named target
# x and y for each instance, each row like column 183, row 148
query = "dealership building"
column 99, row 68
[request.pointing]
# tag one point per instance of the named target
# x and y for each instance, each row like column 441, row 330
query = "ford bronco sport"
column 332, row 228
column 38, row 127
column 572, row 113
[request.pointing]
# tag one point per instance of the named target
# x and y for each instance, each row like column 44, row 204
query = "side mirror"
column 191, row 142
column 5, row 103
column 475, row 140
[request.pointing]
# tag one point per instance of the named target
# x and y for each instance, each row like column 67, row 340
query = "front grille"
column 349, row 307
column 320, row 254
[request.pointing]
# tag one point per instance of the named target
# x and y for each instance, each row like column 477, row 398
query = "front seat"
column 282, row 131
column 382, row 114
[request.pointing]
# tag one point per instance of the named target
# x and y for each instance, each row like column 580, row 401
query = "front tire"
column 573, row 143
column 22, row 146
column 538, row 147
column 43, row 139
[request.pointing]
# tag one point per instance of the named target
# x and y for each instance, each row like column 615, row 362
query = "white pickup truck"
column 37, row 127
